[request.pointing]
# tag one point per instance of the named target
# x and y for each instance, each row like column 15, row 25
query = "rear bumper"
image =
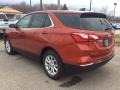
column 98, row 61
column 89, row 66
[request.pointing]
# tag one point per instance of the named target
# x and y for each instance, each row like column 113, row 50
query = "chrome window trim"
column 52, row 24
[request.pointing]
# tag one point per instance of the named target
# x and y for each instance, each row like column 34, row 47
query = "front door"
column 39, row 30
column 18, row 33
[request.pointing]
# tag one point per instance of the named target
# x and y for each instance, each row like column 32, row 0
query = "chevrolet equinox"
column 59, row 38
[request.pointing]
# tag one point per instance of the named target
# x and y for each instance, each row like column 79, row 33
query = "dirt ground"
column 20, row 73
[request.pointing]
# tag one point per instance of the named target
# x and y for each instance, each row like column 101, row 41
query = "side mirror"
column 12, row 26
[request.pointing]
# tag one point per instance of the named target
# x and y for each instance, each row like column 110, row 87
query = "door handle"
column 15, row 33
column 44, row 32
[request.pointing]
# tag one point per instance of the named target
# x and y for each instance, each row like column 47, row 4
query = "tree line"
column 25, row 8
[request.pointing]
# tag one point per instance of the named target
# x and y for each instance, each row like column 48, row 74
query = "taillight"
column 82, row 37
column 93, row 37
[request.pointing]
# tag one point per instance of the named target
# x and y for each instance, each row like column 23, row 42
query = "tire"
column 8, row 47
column 1, row 36
column 52, row 65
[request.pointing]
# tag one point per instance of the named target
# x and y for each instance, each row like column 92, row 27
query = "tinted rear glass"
column 93, row 23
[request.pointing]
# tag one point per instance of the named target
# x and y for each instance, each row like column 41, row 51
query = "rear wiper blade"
column 108, row 28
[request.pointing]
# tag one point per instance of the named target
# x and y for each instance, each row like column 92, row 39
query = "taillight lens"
column 93, row 37
column 82, row 37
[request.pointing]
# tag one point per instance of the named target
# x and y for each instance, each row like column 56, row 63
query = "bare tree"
column 50, row 7
column 23, row 7
column 104, row 10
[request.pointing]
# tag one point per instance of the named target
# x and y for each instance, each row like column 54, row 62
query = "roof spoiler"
column 92, row 14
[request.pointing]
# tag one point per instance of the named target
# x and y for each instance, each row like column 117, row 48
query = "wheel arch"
column 5, row 36
column 46, row 49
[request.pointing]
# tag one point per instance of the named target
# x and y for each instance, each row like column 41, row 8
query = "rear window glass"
column 93, row 23
column 2, row 16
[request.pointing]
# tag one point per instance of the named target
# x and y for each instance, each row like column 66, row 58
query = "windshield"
column 2, row 16
column 94, row 23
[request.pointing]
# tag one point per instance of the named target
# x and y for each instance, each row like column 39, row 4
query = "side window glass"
column 24, row 23
column 38, row 20
column 47, row 22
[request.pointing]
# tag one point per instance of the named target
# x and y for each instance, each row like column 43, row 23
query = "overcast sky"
column 76, row 4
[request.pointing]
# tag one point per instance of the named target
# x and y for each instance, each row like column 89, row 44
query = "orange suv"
column 59, row 38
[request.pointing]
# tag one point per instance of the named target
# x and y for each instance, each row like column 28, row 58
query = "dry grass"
column 117, row 40
column 1, row 44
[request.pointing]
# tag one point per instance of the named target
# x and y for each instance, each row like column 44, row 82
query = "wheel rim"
column 51, row 65
column 7, row 45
